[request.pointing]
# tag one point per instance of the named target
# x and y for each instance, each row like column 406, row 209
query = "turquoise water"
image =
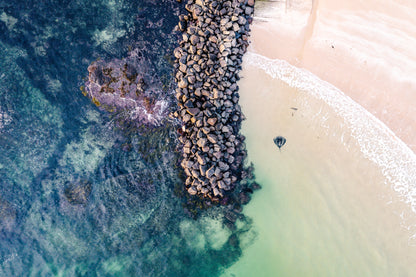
column 326, row 208
column 79, row 194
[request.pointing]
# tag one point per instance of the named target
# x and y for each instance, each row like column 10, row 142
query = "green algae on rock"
column 129, row 86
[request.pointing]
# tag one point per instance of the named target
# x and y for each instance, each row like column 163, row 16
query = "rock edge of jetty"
column 214, row 39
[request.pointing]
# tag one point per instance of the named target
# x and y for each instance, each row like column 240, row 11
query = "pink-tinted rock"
column 130, row 86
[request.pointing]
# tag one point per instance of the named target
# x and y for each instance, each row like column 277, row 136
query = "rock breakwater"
column 208, row 60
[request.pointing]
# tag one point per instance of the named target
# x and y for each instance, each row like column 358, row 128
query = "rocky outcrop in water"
column 78, row 192
column 7, row 216
column 214, row 39
column 129, row 86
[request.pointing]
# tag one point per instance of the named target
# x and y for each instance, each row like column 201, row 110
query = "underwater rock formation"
column 128, row 86
column 78, row 193
column 7, row 216
column 133, row 222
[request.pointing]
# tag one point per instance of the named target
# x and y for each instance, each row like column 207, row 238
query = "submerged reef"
column 208, row 60
column 81, row 193
column 214, row 38
column 127, row 86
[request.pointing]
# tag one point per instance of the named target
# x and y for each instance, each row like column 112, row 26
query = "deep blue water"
column 80, row 196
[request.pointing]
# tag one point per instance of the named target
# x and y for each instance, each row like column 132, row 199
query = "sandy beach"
column 367, row 50
column 337, row 81
column 325, row 209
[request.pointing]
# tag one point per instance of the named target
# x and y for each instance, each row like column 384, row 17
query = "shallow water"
column 326, row 208
column 83, row 193
column 339, row 198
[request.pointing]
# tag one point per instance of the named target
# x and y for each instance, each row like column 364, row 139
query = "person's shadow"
column 279, row 141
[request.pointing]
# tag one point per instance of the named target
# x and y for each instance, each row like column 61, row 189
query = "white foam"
column 376, row 141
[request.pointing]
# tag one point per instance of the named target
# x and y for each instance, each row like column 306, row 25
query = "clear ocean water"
column 79, row 194
column 327, row 207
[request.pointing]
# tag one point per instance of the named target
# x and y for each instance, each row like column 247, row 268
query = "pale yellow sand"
column 325, row 209
column 365, row 48
column 339, row 199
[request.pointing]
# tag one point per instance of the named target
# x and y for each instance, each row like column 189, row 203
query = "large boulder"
column 128, row 86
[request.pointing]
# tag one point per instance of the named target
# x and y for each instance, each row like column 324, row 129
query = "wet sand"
column 366, row 49
column 339, row 198
column 325, row 209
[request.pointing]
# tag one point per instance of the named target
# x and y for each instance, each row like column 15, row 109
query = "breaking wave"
column 376, row 141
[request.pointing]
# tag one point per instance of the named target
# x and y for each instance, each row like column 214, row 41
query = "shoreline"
column 327, row 207
column 324, row 208
column 377, row 49
column 376, row 141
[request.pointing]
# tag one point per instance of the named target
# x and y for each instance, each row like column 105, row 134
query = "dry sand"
column 340, row 198
column 325, row 209
column 365, row 48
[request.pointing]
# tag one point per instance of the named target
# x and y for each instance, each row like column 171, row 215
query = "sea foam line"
column 376, row 141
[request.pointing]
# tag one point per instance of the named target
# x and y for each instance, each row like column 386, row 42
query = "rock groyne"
column 208, row 60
